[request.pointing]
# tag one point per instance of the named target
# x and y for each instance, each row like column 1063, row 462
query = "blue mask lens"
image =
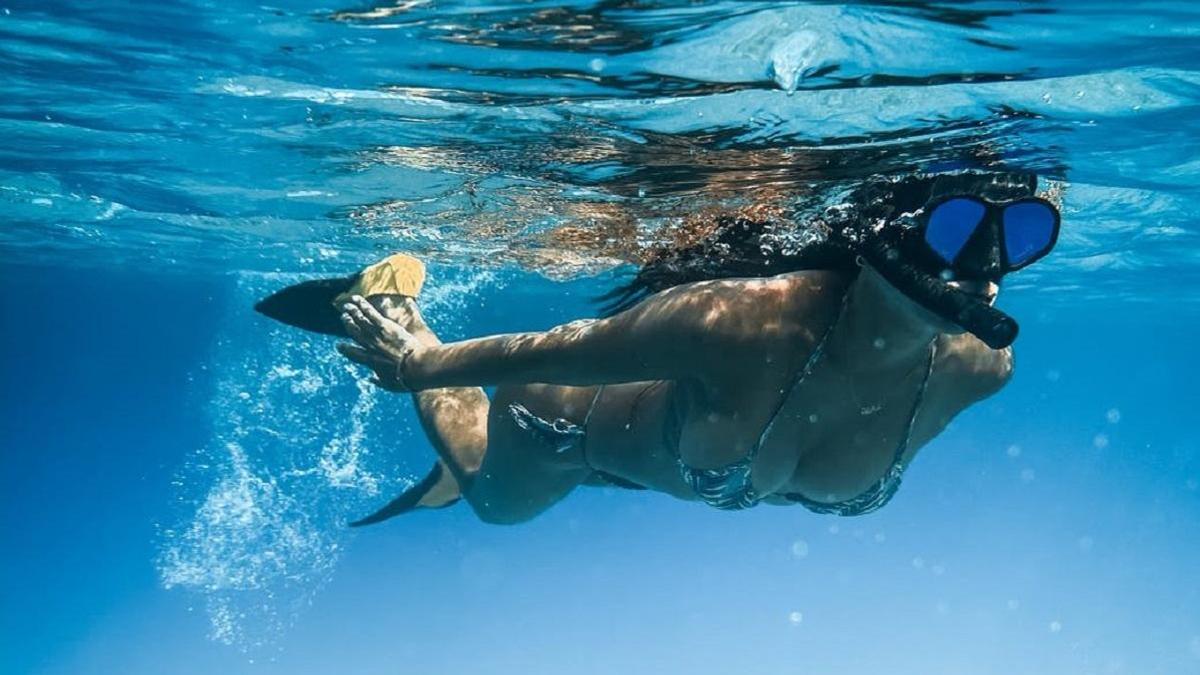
column 1028, row 231
column 951, row 224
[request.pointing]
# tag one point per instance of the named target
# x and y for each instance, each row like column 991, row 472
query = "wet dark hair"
column 817, row 238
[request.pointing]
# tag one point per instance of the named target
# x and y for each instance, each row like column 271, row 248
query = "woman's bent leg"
column 454, row 418
column 523, row 475
column 500, row 469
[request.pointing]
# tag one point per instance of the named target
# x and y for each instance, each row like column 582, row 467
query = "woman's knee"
column 513, row 495
column 495, row 517
column 504, row 512
column 521, row 475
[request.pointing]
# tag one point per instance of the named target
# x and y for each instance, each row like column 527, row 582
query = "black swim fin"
column 309, row 305
column 409, row 500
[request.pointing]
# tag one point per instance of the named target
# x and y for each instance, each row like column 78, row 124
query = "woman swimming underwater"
column 729, row 375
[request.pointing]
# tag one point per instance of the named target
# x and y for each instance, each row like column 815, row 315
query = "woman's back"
column 827, row 434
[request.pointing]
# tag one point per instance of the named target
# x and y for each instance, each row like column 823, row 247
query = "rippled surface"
column 239, row 136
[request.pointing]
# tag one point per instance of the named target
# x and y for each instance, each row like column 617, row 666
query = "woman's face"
column 975, row 267
column 985, row 291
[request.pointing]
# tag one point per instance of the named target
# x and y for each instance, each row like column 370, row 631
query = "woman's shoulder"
column 815, row 284
column 803, row 287
column 972, row 365
column 797, row 294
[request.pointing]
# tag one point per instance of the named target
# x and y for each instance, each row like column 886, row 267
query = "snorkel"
column 899, row 254
column 997, row 329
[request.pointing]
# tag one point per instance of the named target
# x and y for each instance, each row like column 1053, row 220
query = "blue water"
column 176, row 471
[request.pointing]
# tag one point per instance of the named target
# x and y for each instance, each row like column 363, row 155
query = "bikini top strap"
column 801, row 374
column 902, row 448
column 592, row 406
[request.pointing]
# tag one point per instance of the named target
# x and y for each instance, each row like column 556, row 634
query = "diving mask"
column 965, row 237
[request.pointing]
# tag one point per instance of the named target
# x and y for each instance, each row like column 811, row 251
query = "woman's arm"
column 687, row 331
column 639, row 344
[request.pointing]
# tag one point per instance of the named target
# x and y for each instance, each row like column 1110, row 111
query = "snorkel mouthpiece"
column 997, row 329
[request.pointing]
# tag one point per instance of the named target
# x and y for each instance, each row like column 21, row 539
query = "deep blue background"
column 99, row 409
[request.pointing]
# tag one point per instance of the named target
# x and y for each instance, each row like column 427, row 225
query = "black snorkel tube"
column 997, row 329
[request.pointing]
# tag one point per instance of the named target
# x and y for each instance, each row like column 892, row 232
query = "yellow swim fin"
column 316, row 305
column 397, row 274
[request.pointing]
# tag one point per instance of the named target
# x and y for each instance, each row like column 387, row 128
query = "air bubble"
column 795, row 618
column 275, row 484
column 1100, row 441
column 1013, row 451
column 1113, row 415
column 800, row 549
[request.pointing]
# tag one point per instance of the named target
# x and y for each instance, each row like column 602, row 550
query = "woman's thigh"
column 522, row 473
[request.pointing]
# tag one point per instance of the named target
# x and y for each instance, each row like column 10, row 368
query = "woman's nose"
column 982, row 256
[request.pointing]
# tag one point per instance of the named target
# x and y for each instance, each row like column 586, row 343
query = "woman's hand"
column 383, row 345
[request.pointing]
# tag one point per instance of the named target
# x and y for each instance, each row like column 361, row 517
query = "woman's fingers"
column 387, row 327
column 359, row 327
column 368, row 310
column 356, row 316
column 369, row 319
column 371, row 359
column 385, row 334
column 356, row 354
column 349, row 322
